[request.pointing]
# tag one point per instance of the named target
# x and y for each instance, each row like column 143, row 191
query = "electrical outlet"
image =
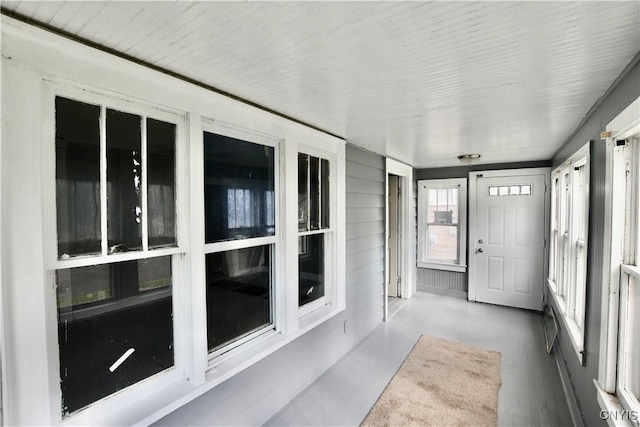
column 346, row 326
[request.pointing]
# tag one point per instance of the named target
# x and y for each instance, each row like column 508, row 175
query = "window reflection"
column 105, row 310
column 124, row 178
column 239, row 293
column 311, row 268
column 161, row 178
column 77, row 178
column 239, row 189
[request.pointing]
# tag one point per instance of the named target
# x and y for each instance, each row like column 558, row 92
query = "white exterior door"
column 508, row 240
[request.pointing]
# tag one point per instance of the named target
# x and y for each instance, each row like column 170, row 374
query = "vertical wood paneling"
column 582, row 376
column 255, row 394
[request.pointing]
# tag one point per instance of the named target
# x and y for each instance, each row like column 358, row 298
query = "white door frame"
column 406, row 219
column 473, row 223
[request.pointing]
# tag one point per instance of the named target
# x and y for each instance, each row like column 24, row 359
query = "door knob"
column 479, row 251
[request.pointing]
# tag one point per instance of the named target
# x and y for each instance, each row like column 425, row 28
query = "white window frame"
column 53, row 262
column 424, row 185
column 569, row 237
column 329, row 297
column 44, row 64
column 620, row 264
column 225, row 129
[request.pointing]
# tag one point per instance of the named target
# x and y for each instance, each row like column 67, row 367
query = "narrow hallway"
column 531, row 392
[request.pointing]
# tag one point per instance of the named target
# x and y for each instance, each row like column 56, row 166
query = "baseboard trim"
column 441, row 291
column 572, row 401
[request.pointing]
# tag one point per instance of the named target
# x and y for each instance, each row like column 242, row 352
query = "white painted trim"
column 621, row 126
column 442, row 266
column 609, row 404
column 473, row 212
column 407, row 251
column 462, row 185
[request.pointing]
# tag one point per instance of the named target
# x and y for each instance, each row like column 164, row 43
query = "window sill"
column 611, row 409
column 442, row 266
column 575, row 334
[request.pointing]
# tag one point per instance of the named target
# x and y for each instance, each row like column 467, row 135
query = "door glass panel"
column 161, row 178
column 238, row 178
column 124, row 180
column 442, row 242
column 77, row 178
column 239, row 294
column 103, row 318
column 311, row 268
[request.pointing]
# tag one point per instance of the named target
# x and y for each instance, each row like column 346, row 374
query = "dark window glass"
column 77, row 178
column 303, row 192
column 103, row 316
column 238, row 178
column 324, row 190
column 161, row 179
column 238, row 293
column 311, row 268
column 314, row 193
column 124, row 182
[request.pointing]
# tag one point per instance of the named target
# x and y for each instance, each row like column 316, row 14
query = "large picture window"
column 568, row 248
column 240, row 227
column 442, row 211
column 116, row 240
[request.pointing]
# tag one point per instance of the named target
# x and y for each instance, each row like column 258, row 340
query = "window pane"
column 101, row 317
column 161, row 178
column 442, row 242
column 311, row 268
column 238, row 174
column 525, row 189
column 442, row 206
column 270, row 197
column 239, row 293
column 314, row 192
column 514, row 190
column 124, row 174
column 77, row 178
column 493, row 191
column 324, row 188
column 303, row 192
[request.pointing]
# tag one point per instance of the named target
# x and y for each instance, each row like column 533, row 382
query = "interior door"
column 510, row 236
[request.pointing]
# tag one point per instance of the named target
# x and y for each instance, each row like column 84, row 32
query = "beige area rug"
column 441, row 383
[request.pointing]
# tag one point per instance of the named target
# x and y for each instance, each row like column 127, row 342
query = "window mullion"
column 103, row 180
column 143, row 177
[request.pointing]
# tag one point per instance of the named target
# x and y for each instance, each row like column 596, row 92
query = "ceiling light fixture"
column 469, row 159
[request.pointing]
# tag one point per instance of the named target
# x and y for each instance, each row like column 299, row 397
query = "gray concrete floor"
column 531, row 392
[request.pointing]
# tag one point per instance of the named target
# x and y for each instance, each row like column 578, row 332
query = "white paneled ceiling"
column 419, row 82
